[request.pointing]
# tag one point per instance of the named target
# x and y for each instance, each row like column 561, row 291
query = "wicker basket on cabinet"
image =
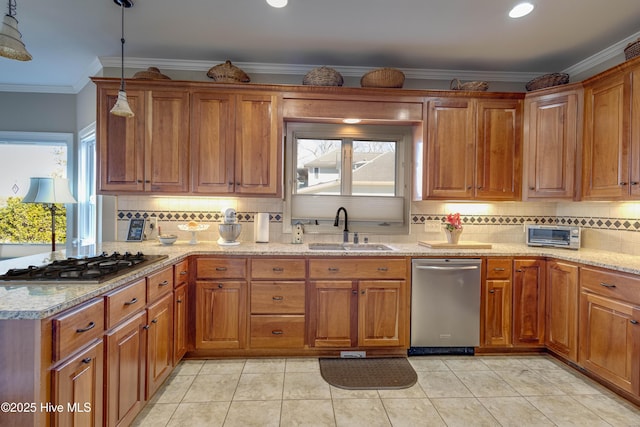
column 470, row 86
column 632, row 50
column 323, row 76
column 228, row 73
column 383, row 77
column 547, row 80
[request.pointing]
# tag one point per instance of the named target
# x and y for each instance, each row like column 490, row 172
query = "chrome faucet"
column 345, row 233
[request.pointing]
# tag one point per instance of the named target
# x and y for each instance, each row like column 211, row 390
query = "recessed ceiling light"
column 277, row 3
column 351, row 121
column 521, row 10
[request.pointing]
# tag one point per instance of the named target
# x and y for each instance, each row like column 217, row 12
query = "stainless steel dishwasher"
column 445, row 306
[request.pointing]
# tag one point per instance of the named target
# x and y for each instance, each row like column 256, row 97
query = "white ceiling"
column 71, row 40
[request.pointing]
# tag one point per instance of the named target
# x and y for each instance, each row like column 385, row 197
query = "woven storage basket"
column 632, row 50
column 228, row 73
column 548, row 80
column 383, row 77
column 151, row 73
column 323, row 76
column 470, row 86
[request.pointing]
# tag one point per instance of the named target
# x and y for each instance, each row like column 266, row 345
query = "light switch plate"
column 432, row 226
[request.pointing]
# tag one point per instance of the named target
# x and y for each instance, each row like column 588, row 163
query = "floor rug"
column 363, row 374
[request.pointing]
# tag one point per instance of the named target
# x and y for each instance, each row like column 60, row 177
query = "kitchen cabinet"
column 221, row 303
column 610, row 327
column 146, row 153
column 362, row 304
column 159, row 342
column 278, row 299
column 528, row 302
column 552, row 135
column 473, row 149
column 561, row 333
column 496, row 303
column 611, row 158
column 235, row 140
column 180, row 310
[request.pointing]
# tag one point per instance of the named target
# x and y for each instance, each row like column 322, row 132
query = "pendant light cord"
column 12, row 8
column 121, row 49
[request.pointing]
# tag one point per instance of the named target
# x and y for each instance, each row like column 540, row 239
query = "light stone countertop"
column 38, row 301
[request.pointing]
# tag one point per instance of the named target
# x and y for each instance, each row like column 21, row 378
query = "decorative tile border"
column 616, row 224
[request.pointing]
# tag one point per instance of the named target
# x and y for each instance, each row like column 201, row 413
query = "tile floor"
column 451, row 391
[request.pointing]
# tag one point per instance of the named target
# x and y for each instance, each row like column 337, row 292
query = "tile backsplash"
column 608, row 226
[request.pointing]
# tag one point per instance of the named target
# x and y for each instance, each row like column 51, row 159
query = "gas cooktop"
column 95, row 269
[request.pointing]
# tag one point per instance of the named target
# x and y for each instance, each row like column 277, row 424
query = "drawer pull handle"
column 90, row 326
column 498, row 269
column 164, row 283
column 179, row 301
column 278, row 269
column 154, row 321
column 333, row 269
column 133, row 301
column 87, row 360
column 519, row 271
column 277, row 298
column 634, row 322
column 383, row 269
column 184, row 272
column 221, row 268
column 607, row 285
column 277, row 332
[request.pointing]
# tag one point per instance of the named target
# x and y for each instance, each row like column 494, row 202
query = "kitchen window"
column 361, row 168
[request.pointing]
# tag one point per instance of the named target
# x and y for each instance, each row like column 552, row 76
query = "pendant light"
column 122, row 107
column 11, row 45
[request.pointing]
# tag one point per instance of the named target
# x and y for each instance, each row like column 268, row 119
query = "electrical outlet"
column 433, row 226
column 152, row 227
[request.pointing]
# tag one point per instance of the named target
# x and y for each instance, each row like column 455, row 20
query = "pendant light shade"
column 11, row 45
column 122, row 108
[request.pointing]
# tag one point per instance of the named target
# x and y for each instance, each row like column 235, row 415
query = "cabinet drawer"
column 75, row 328
column 277, row 297
column 124, row 302
column 499, row 268
column 159, row 284
column 277, row 331
column 277, row 268
column 221, row 268
column 611, row 284
column 181, row 273
column 357, row 268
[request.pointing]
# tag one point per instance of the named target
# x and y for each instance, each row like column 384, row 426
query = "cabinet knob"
column 219, row 285
column 383, row 269
column 634, row 321
column 179, row 301
column 492, row 291
column 498, row 269
column 532, row 188
column 154, row 321
column 87, row 360
column 634, row 183
column 221, row 268
column 480, row 187
column 519, row 271
column 624, row 183
column 146, row 327
column 354, row 292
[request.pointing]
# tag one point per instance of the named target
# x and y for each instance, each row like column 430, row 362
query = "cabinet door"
column 120, row 143
column 257, row 159
column 78, row 387
column 450, row 149
column 606, row 139
column 635, row 134
column 498, row 151
column 167, row 149
column 125, row 371
column 180, row 325
column 561, row 333
column 551, row 138
column 497, row 313
column 159, row 343
column 381, row 313
column 332, row 317
column 609, row 337
column 221, row 314
column 528, row 302
column 212, row 135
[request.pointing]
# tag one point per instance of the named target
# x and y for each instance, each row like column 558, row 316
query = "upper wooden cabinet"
column 189, row 139
column 473, row 149
column 552, row 135
column 611, row 160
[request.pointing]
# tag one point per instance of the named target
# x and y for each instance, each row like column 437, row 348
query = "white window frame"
column 317, row 212
column 88, row 227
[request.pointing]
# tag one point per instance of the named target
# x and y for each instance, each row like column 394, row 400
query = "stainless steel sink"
column 366, row 247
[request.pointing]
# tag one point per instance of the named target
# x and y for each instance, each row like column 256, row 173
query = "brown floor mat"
column 375, row 373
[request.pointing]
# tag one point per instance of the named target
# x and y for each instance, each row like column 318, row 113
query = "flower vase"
column 453, row 236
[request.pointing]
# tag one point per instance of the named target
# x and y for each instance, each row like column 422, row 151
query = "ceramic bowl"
column 168, row 239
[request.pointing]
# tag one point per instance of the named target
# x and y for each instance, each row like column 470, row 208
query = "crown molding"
column 612, row 52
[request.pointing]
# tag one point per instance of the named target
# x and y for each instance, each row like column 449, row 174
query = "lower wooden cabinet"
column 180, row 322
column 221, row 314
column 561, row 332
column 332, row 314
column 159, row 342
column 381, row 309
column 125, row 370
column 78, row 388
column 496, row 303
column 528, row 302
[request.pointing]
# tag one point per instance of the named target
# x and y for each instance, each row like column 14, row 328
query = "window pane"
column 374, row 168
column 318, row 166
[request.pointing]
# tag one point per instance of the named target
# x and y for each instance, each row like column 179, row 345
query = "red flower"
column 453, row 222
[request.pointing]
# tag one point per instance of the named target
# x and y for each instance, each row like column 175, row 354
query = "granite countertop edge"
column 33, row 301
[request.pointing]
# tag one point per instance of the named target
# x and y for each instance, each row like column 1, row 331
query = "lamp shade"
column 11, row 45
column 49, row 190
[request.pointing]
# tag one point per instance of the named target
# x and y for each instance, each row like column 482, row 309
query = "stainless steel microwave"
column 557, row 236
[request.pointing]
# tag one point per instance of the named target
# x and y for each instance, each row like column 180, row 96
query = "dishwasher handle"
column 437, row 267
